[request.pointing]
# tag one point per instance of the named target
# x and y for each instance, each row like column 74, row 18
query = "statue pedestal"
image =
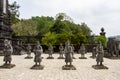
column 82, row 57
column 92, row 57
column 61, row 58
column 7, row 66
column 68, row 67
column 50, row 57
column 37, row 67
column 98, row 67
column 28, row 57
column 73, row 57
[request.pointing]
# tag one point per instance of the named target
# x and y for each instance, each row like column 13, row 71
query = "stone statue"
column 117, row 48
column 100, row 54
column 68, row 57
column 94, row 52
column 38, row 51
column 50, row 51
column 8, row 50
column 37, row 59
column 61, row 48
column 17, row 50
column 29, row 48
column 102, row 32
column 99, row 57
column 68, row 53
column 82, row 51
column 73, row 51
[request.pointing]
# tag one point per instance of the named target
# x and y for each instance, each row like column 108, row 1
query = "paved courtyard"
column 53, row 69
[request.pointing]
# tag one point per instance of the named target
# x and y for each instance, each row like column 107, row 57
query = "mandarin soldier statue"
column 8, row 50
column 68, row 57
column 68, row 54
column 82, row 51
column 100, row 54
column 29, row 48
column 61, row 49
column 50, row 52
column 38, row 50
column 73, row 48
column 94, row 52
column 99, row 57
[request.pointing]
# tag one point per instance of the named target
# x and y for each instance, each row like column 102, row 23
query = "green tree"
column 26, row 27
column 59, row 27
column 63, row 37
column 49, row 38
column 79, row 38
column 63, row 17
column 43, row 24
column 103, row 39
column 85, row 29
column 61, row 24
column 14, row 12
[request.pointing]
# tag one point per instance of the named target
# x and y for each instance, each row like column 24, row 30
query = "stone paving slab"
column 53, row 69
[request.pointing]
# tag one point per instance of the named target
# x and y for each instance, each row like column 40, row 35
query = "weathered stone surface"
column 37, row 67
column 50, row 52
column 82, row 57
column 28, row 57
column 68, row 53
column 38, row 50
column 82, row 51
column 7, row 66
column 61, row 58
column 61, row 52
column 68, row 67
column 98, row 67
column 50, row 57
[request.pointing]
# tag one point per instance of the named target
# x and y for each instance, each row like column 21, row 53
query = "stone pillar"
column 1, row 6
column 5, row 24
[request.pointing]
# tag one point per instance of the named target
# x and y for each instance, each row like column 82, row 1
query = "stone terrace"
column 53, row 69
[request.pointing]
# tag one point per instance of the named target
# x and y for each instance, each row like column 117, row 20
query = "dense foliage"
column 55, row 30
column 103, row 39
column 14, row 12
column 25, row 28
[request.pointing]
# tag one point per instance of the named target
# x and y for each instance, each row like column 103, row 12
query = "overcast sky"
column 95, row 13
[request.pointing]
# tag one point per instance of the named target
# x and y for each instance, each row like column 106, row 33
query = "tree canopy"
column 26, row 27
column 55, row 30
column 14, row 12
column 101, row 38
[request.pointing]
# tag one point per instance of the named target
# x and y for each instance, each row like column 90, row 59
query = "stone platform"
column 53, row 69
